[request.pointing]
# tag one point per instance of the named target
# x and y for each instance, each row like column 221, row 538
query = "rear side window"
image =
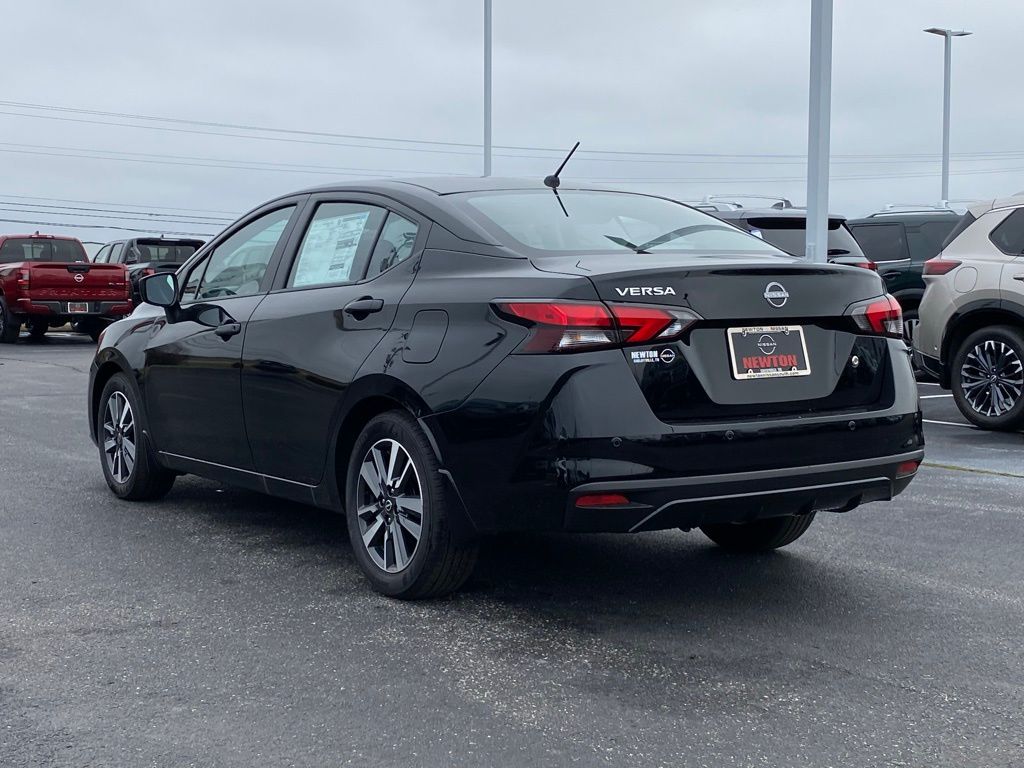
column 41, row 249
column 145, row 251
column 336, row 245
column 790, row 234
column 882, row 242
column 1008, row 236
column 393, row 246
column 925, row 240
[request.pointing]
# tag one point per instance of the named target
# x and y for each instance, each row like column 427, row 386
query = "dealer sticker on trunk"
column 768, row 352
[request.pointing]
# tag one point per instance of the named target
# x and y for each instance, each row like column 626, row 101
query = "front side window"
column 115, row 254
column 603, row 222
column 238, row 265
column 1008, row 236
column 103, row 255
column 336, row 244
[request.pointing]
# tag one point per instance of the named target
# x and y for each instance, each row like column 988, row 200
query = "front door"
column 192, row 377
column 332, row 305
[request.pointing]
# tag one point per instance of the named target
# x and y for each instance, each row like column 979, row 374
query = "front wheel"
column 759, row 535
column 129, row 466
column 988, row 378
column 398, row 518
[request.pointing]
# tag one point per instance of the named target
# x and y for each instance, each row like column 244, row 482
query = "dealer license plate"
column 768, row 352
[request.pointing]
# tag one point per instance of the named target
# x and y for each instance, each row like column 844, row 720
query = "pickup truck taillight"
column 24, row 280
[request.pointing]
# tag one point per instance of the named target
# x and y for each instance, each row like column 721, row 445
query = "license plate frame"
column 778, row 336
column 78, row 307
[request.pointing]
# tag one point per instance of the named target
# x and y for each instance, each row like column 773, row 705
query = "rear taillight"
column 881, row 317
column 24, row 279
column 571, row 326
column 939, row 266
column 865, row 265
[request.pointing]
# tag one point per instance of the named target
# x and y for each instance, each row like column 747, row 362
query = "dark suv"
column 899, row 243
column 147, row 255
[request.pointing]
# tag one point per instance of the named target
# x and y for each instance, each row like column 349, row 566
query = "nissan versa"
column 442, row 359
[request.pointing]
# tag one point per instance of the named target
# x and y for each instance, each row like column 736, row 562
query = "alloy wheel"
column 119, row 442
column 389, row 505
column 992, row 378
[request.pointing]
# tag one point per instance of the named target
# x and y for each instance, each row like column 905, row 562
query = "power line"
column 143, row 214
column 66, row 225
column 111, row 216
column 125, row 205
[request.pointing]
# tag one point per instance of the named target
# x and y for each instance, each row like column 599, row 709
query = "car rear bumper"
column 103, row 309
column 688, row 502
column 930, row 365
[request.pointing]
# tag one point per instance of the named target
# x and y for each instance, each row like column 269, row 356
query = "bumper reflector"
column 907, row 468
column 602, row 500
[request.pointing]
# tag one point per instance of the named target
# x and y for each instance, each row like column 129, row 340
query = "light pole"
column 487, row 87
column 948, row 35
column 819, row 117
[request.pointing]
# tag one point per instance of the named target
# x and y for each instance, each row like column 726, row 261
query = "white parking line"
column 932, row 397
column 927, row 383
column 947, row 423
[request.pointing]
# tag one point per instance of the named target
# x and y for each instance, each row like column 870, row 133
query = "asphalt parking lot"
column 222, row 628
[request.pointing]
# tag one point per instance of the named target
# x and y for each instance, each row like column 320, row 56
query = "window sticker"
column 329, row 249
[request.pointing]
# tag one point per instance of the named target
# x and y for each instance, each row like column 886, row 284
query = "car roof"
column 38, row 236
column 766, row 213
column 984, row 206
column 440, row 185
column 903, row 217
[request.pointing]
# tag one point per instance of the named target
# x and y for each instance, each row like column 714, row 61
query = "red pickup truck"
column 47, row 281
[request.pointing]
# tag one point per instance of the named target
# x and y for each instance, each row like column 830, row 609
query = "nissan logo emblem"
column 776, row 295
column 79, row 277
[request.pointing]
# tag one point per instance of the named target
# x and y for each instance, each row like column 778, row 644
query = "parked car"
column 971, row 334
column 785, row 227
column 147, row 255
column 899, row 242
column 47, row 282
column 442, row 359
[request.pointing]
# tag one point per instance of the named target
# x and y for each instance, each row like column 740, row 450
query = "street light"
column 948, row 35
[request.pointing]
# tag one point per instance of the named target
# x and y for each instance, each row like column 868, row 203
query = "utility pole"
column 487, row 87
column 948, row 35
column 818, row 127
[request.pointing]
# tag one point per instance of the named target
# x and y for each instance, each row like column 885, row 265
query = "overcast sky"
column 650, row 76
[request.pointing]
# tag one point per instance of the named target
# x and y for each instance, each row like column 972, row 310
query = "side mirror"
column 160, row 290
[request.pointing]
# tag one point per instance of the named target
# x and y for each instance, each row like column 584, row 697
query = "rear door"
column 351, row 261
column 192, row 375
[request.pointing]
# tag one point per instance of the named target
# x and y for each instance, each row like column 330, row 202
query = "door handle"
column 228, row 330
column 360, row 308
column 1018, row 277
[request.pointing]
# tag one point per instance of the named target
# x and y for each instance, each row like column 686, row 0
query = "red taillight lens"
column 564, row 326
column 24, row 279
column 882, row 317
column 939, row 266
column 907, row 468
column 602, row 500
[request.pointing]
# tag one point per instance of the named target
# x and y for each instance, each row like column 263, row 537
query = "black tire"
column 10, row 326
column 145, row 479
column 759, row 535
column 1007, row 344
column 36, row 331
column 436, row 565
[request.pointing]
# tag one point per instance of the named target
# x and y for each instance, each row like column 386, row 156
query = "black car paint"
column 276, row 406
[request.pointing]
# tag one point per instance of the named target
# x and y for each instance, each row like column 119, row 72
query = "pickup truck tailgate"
column 77, row 282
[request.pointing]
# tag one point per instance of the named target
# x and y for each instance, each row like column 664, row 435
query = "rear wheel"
column 397, row 513
column 129, row 466
column 10, row 327
column 988, row 378
column 759, row 535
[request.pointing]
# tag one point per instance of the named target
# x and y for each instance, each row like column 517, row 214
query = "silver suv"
column 971, row 332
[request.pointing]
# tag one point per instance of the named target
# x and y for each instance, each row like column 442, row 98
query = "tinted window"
column 336, row 244
column 237, row 266
column 965, row 221
column 789, row 233
column 41, row 249
column 394, row 244
column 144, row 251
column 602, row 222
column 882, row 242
column 1008, row 237
column 925, row 240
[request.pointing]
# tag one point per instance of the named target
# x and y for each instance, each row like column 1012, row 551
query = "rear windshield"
column 602, row 222
column 789, row 233
column 177, row 253
column 41, row 249
column 965, row 221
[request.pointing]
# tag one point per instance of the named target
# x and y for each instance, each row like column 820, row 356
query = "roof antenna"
column 553, row 181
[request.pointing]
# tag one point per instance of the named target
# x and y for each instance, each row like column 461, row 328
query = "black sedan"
column 443, row 359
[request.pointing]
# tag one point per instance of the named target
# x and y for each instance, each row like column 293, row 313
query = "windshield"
column 603, row 222
column 41, row 249
column 176, row 253
column 789, row 233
